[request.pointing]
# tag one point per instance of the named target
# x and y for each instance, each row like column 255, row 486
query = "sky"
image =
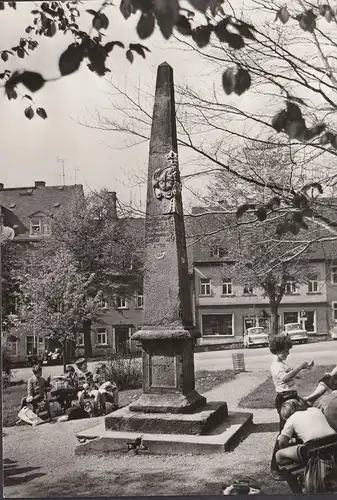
column 36, row 149
column 39, row 149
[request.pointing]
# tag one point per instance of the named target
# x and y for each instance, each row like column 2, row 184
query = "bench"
column 293, row 471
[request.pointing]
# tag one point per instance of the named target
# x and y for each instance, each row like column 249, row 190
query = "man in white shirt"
column 303, row 422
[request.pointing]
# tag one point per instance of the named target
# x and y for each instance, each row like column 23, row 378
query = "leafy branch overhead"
column 92, row 48
column 296, row 209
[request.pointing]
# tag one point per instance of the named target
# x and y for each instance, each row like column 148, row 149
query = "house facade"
column 30, row 210
column 223, row 308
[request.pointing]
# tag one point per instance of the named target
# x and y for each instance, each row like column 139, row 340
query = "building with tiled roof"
column 33, row 206
column 223, row 310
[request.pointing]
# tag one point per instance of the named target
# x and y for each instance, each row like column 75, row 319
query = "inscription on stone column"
column 163, row 371
column 160, row 232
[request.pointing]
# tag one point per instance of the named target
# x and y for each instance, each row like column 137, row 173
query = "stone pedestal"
column 168, row 372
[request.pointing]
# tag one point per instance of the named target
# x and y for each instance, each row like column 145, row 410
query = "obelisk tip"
column 164, row 64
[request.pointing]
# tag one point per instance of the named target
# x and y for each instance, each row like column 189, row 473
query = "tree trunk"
column 274, row 327
column 87, row 338
column 64, row 346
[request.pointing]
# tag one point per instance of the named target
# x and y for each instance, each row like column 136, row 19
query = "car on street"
column 333, row 332
column 296, row 332
column 256, row 336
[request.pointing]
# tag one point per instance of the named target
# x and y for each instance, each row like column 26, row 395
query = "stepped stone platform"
column 198, row 422
column 221, row 438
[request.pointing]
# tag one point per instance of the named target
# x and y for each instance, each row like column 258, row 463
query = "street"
column 323, row 353
column 260, row 358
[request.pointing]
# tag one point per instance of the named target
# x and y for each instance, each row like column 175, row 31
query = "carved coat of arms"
column 166, row 183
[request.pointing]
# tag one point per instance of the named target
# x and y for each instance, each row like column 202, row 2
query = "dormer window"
column 36, row 227
column 218, row 252
column 39, row 225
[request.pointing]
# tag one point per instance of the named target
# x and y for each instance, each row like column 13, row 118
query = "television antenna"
column 75, row 174
column 62, row 160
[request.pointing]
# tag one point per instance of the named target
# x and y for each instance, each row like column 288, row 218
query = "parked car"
column 256, row 336
column 333, row 333
column 296, row 332
column 53, row 358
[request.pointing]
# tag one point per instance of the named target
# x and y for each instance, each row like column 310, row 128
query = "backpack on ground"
column 320, row 475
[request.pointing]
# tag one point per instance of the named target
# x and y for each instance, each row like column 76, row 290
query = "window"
column 217, row 324
column 334, row 275
column 227, row 288
column 104, row 304
column 139, row 300
column 290, row 317
column 122, row 303
column 290, row 287
column 248, row 289
column 205, row 286
column 39, row 226
column 80, row 339
column 102, row 336
column 13, row 347
column 218, row 252
column 32, row 349
column 36, row 227
column 313, row 286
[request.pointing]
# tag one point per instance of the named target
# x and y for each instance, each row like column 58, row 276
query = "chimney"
column 1, row 185
column 113, row 200
column 40, row 184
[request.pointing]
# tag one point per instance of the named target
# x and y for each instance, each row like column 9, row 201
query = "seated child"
column 36, row 387
column 103, row 390
column 284, row 379
column 326, row 385
column 108, row 392
column 305, row 423
column 324, row 397
column 85, row 380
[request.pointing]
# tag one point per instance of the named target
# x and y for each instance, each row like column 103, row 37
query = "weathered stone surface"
column 168, row 402
column 97, row 440
column 168, row 377
column 166, row 284
column 197, row 423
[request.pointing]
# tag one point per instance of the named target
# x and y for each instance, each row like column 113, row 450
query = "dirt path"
column 41, row 461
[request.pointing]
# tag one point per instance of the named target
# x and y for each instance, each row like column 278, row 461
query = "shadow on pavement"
column 14, row 475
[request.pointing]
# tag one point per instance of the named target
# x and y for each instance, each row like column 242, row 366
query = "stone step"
column 97, row 440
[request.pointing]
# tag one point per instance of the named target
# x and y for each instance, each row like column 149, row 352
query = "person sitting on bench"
column 304, row 422
column 36, row 388
column 324, row 397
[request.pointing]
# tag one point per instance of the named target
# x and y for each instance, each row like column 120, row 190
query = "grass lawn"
column 264, row 395
column 12, row 395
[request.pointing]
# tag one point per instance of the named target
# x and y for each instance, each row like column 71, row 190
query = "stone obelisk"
column 167, row 335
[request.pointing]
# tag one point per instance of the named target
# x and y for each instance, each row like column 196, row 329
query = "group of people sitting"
column 302, row 419
column 76, row 384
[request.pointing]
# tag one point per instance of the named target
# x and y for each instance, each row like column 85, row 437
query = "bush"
column 125, row 372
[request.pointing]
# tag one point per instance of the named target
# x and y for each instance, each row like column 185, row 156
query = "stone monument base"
column 172, row 402
column 201, row 421
column 223, row 437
